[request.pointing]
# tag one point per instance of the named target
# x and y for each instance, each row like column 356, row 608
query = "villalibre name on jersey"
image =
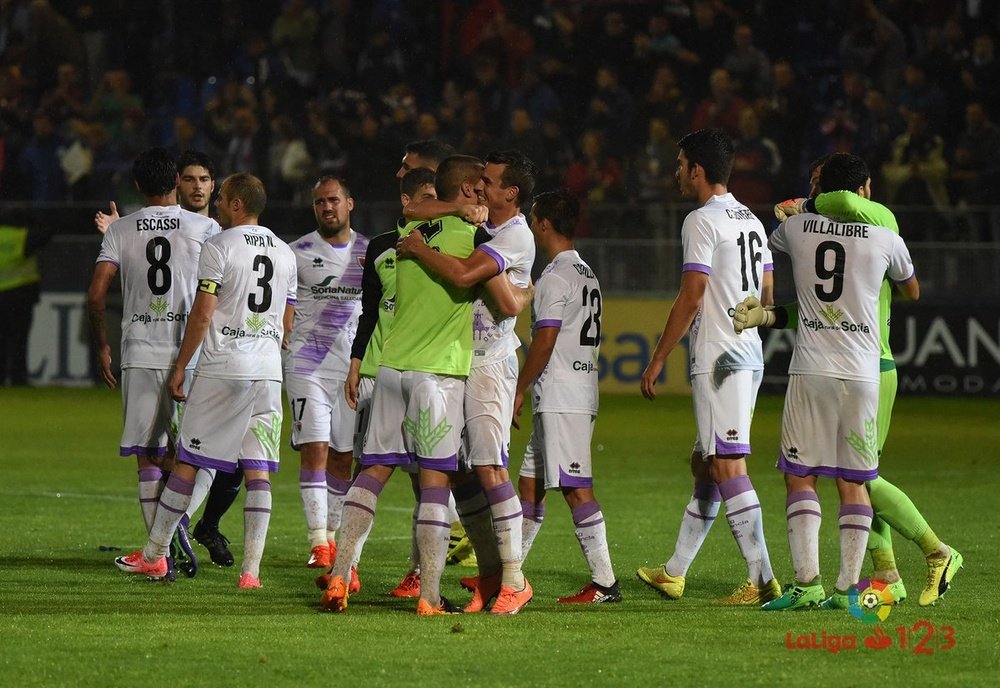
column 835, row 229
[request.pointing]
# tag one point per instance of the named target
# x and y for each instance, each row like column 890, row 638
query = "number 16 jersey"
column 156, row 250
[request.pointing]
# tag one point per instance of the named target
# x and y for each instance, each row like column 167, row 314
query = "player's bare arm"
column 679, row 321
column 198, row 323
column 433, row 208
column 542, row 344
column 461, row 272
column 910, row 289
column 97, row 295
column 286, row 323
column 507, row 298
column 103, row 220
column 352, row 383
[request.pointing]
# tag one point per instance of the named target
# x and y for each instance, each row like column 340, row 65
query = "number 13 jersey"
column 725, row 241
column 156, row 250
column 568, row 296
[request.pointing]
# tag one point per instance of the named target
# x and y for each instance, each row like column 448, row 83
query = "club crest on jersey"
column 361, row 261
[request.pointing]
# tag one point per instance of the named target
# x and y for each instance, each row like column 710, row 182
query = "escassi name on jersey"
column 157, row 224
column 258, row 240
column 835, row 228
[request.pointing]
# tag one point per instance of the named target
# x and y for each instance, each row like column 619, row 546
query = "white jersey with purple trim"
column 252, row 272
column 726, row 241
column 156, row 250
column 327, row 305
column 568, row 296
column 512, row 246
column 838, row 269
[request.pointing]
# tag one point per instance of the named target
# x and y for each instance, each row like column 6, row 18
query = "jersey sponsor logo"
column 257, row 328
column 157, row 224
column 164, row 317
column 208, row 286
column 585, row 366
column 324, row 288
column 389, row 305
column 835, row 228
column 833, row 316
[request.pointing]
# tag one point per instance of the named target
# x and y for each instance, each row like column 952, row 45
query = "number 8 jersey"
column 726, row 241
column 568, row 296
column 156, row 250
column 253, row 274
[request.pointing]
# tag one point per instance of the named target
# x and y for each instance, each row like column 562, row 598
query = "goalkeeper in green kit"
column 891, row 505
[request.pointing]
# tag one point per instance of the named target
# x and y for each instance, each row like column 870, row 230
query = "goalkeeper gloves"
column 750, row 313
column 785, row 209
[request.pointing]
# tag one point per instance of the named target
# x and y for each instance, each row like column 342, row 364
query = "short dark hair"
column 248, row 189
column 818, row 162
column 453, row 172
column 431, row 149
column 843, row 172
column 560, row 208
column 195, row 157
column 520, row 171
column 713, row 150
column 323, row 179
column 155, row 172
column 414, row 179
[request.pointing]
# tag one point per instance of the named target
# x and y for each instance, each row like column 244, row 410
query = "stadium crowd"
column 596, row 92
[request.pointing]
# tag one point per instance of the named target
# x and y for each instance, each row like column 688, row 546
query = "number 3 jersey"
column 327, row 305
column 726, row 241
column 156, row 250
column 568, row 296
column 838, row 269
column 252, row 272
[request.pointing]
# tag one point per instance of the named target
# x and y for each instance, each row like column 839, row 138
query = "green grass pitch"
column 69, row 617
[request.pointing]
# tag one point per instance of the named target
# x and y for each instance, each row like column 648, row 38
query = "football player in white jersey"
column 329, row 264
column 561, row 369
column 155, row 250
column 828, row 427
column 246, row 282
column 486, row 500
column 725, row 255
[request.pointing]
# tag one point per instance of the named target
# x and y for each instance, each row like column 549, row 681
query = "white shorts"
column 723, row 411
column 226, row 423
column 415, row 417
column 149, row 414
column 558, row 450
column 829, row 428
column 489, row 408
column 362, row 416
column 319, row 412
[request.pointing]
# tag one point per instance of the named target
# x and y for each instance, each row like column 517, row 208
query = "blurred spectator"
column 873, row 45
column 710, row 37
column 533, row 94
column 981, row 73
column 221, row 108
column 878, row 128
column 325, row 148
column 748, row 66
column 289, row 165
column 477, row 136
column 293, row 35
column 186, row 136
column 975, row 170
column 380, row 64
column 114, row 101
column 756, row 163
column 371, row 161
column 559, row 154
column 246, row 151
column 611, row 110
column 783, row 116
column 917, row 170
column 666, row 100
column 51, row 40
column 596, row 175
column 918, row 93
column 653, row 170
column 839, row 126
column 492, row 94
column 41, row 162
column 524, row 136
column 65, row 100
column 722, row 108
column 612, row 45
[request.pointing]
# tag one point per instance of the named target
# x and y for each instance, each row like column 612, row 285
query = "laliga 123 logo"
column 870, row 601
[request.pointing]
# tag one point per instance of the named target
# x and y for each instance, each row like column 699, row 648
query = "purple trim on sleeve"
column 696, row 267
column 856, row 510
column 501, row 266
column 291, row 302
column 566, row 480
column 504, row 459
column 768, row 267
column 259, row 465
column 389, row 459
column 786, row 466
column 904, row 281
column 735, row 486
column 136, row 450
column 547, row 323
column 108, row 260
column 723, row 448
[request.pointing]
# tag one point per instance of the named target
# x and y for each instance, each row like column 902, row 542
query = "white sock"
column 507, row 531
column 202, row 484
column 699, row 515
column 173, row 502
column 256, row 517
column 150, row 487
column 336, row 492
column 855, row 520
column 358, row 517
column 593, row 538
column 312, row 488
column 745, row 522
column 433, row 533
column 531, row 521
column 804, row 516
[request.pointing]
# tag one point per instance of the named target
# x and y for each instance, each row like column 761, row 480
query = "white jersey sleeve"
column 513, row 248
column 838, row 269
column 327, row 305
column 568, row 296
column 725, row 240
column 156, row 250
column 252, row 272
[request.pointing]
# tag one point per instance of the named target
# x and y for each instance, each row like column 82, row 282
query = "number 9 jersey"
column 568, row 296
column 725, row 241
column 156, row 250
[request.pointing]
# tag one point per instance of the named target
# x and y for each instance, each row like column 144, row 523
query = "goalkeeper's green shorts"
column 886, row 397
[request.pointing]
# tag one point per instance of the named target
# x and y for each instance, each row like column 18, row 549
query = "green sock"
column 880, row 545
column 892, row 504
column 928, row 542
